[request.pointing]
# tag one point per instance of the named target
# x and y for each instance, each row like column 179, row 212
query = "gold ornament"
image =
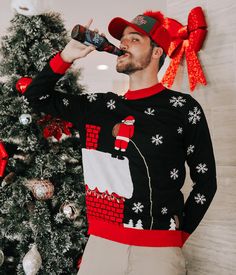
column 32, row 261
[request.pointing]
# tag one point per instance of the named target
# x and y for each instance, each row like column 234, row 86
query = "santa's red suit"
column 125, row 132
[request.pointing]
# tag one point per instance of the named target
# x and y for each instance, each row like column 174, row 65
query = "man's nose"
column 123, row 45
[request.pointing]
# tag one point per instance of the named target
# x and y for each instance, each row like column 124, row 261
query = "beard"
column 132, row 65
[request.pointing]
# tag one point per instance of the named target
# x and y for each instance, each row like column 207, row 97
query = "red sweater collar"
column 142, row 93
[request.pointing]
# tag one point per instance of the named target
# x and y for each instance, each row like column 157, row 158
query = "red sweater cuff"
column 58, row 65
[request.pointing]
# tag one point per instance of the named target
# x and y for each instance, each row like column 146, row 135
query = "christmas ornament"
column 1, row 257
column 25, row 119
column 42, row 189
column 32, row 261
column 22, row 84
column 70, row 210
column 3, row 159
column 186, row 40
column 31, row 7
column 54, row 127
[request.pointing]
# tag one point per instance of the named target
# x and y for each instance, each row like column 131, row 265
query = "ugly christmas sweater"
column 134, row 149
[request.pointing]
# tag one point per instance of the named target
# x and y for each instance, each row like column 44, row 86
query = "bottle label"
column 92, row 38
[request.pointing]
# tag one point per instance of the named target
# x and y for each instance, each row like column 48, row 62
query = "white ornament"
column 32, row 261
column 25, row 119
column 31, row 7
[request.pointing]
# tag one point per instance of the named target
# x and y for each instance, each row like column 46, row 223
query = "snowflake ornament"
column 164, row 211
column 190, row 149
column 200, row 199
column 177, row 101
column 92, row 97
column 180, row 130
column 201, row 168
column 150, row 111
column 65, row 101
column 194, row 116
column 157, row 139
column 138, row 207
column 111, row 104
column 174, row 174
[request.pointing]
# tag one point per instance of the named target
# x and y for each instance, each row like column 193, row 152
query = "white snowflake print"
column 180, row 130
column 138, row 207
column 92, row 97
column 177, row 101
column 157, row 139
column 190, row 149
column 200, row 199
column 150, row 112
column 194, row 116
column 164, row 211
column 174, row 174
column 201, row 168
column 44, row 97
column 65, row 101
column 111, row 104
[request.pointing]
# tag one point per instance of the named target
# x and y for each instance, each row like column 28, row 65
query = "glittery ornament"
column 42, row 189
column 23, row 83
column 70, row 210
column 25, row 119
column 32, row 261
column 1, row 257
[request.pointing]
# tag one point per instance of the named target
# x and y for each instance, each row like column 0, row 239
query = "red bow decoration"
column 55, row 127
column 3, row 159
column 186, row 40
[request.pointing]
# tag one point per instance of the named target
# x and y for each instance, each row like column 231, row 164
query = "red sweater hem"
column 138, row 237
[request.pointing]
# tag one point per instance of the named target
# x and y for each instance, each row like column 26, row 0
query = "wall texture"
column 212, row 247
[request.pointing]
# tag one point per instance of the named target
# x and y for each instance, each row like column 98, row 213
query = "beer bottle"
column 88, row 37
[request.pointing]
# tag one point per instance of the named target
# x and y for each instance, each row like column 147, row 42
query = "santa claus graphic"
column 123, row 132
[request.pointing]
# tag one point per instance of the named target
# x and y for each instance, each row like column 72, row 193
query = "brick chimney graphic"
column 101, row 204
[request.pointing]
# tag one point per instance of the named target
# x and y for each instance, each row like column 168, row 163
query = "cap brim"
column 117, row 25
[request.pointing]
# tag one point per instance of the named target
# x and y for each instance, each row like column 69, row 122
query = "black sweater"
column 134, row 149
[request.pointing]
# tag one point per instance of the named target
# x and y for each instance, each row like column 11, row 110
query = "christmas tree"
column 42, row 202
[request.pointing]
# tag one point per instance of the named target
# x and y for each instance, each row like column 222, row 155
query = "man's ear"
column 157, row 52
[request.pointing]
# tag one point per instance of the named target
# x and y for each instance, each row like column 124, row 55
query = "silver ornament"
column 32, row 261
column 25, row 119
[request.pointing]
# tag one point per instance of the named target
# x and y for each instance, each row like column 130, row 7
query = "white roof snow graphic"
column 107, row 173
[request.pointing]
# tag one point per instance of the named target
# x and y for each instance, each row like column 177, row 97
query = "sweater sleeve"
column 43, row 97
column 201, row 162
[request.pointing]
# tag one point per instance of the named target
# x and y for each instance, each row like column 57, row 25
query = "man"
column 138, row 221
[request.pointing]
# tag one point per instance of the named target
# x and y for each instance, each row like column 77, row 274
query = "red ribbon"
column 3, row 159
column 186, row 40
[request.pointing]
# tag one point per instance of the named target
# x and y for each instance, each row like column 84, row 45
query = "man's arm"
column 201, row 162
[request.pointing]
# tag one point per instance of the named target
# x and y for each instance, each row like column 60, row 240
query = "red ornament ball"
column 42, row 189
column 23, row 83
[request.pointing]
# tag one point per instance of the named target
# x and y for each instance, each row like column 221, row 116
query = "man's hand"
column 75, row 50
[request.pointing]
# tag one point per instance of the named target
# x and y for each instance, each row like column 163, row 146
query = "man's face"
column 138, row 52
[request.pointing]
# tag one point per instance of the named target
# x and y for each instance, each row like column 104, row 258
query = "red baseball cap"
column 149, row 23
